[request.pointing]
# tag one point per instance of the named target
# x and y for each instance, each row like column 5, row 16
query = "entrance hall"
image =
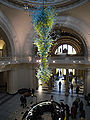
column 73, row 79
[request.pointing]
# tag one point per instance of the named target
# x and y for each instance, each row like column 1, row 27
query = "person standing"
column 29, row 90
column 33, row 92
column 67, row 112
column 24, row 101
column 72, row 88
column 81, row 106
column 73, row 112
column 51, row 98
column 59, row 85
column 82, row 115
column 77, row 90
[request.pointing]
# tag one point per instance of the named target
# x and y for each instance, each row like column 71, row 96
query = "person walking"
column 59, row 85
column 77, row 90
column 22, row 101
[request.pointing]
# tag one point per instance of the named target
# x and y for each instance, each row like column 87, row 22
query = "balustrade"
column 61, row 60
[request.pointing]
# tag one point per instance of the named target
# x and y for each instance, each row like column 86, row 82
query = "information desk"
column 37, row 110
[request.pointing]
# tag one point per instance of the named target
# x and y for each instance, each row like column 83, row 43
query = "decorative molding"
column 61, row 5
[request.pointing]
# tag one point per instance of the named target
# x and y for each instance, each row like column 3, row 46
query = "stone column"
column 67, row 83
column 87, row 81
column 21, row 76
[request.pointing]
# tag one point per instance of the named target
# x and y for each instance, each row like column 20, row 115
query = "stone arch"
column 9, row 32
column 77, row 26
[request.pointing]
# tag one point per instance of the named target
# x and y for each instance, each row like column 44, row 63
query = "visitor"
column 76, row 79
column 82, row 115
column 51, row 98
column 70, row 79
column 76, row 105
column 59, row 85
column 33, row 92
column 77, row 90
column 72, row 88
column 73, row 111
column 81, row 106
column 67, row 112
column 29, row 90
column 24, row 102
column 21, row 100
column 58, row 74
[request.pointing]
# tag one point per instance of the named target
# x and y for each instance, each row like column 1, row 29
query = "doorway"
column 4, row 82
column 75, row 77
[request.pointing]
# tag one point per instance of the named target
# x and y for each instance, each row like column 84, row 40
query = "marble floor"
column 11, row 109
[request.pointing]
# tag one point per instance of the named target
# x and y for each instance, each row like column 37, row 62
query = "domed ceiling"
column 62, row 4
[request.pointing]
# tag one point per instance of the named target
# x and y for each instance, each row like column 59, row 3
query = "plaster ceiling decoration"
column 59, row 4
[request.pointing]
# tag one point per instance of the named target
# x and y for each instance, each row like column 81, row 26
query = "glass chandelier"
column 43, row 19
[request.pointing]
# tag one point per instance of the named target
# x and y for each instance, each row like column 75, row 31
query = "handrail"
column 52, row 59
column 15, row 60
column 6, row 63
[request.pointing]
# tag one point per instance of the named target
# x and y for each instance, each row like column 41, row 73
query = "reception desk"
column 39, row 109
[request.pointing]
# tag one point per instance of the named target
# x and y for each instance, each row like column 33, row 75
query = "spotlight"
column 74, row 61
column 79, row 61
column 53, row 61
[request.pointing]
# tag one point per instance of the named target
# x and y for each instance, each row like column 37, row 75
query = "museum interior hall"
column 44, row 60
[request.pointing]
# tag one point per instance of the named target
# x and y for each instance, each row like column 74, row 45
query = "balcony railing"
column 52, row 59
column 68, row 59
column 15, row 60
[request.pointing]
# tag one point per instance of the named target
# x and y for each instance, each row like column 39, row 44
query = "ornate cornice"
column 59, row 4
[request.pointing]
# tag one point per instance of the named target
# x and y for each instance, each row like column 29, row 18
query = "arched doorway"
column 75, row 77
column 68, row 44
column 5, row 53
column 67, row 37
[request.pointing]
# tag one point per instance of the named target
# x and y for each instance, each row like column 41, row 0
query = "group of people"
column 71, row 87
column 77, row 107
column 23, row 99
column 77, row 89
